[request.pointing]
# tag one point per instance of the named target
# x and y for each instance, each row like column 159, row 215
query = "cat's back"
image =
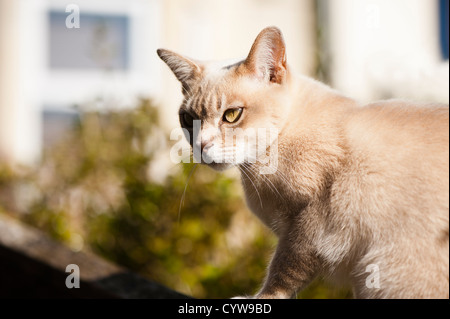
column 400, row 131
column 398, row 159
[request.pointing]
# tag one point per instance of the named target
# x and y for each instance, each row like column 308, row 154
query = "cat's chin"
column 220, row 166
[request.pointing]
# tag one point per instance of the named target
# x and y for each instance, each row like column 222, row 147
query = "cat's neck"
column 310, row 145
column 307, row 93
column 314, row 109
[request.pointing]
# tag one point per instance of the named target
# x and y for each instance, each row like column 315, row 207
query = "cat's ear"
column 267, row 57
column 186, row 70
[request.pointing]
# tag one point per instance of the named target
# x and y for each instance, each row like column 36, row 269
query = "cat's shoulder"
column 391, row 121
column 399, row 111
column 399, row 106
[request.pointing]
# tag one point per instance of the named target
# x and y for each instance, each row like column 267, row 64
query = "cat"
column 360, row 193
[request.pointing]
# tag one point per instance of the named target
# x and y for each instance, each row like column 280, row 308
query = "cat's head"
column 226, row 105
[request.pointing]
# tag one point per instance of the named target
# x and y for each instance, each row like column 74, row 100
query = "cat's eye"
column 232, row 115
column 187, row 120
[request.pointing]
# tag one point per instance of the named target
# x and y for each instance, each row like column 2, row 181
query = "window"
column 101, row 42
column 56, row 123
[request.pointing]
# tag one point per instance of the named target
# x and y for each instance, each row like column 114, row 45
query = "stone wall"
column 34, row 266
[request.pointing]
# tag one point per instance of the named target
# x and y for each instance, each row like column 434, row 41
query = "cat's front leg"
column 294, row 265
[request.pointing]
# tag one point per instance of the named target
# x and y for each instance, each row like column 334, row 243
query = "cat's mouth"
column 216, row 163
column 214, row 159
column 220, row 166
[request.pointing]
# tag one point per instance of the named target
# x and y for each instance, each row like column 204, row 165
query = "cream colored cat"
column 360, row 192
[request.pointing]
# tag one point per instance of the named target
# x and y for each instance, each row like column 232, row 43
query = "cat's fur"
column 356, row 185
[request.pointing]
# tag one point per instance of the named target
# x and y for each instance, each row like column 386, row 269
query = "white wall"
column 386, row 48
column 20, row 130
column 8, row 77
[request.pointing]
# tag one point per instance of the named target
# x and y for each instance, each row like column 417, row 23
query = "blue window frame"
column 443, row 15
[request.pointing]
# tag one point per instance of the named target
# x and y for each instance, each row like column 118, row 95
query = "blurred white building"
column 368, row 49
column 388, row 48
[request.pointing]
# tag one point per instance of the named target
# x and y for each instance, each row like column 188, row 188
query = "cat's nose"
column 206, row 144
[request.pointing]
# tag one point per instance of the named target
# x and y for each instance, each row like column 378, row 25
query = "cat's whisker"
column 282, row 175
column 279, row 173
column 183, row 196
column 229, row 154
column 265, row 179
column 242, row 169
column 286, row 180
column 269, row 183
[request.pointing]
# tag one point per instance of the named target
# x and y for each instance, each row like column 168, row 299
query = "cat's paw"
column 243, row 297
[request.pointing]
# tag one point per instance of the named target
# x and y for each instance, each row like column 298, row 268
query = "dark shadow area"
column 34, row 266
